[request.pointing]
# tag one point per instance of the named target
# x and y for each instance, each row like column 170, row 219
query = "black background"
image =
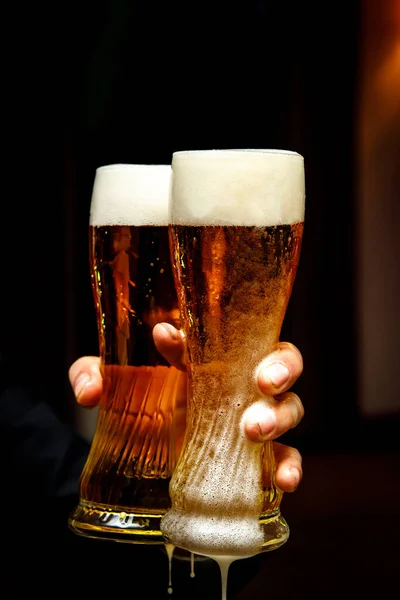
column 93, row 84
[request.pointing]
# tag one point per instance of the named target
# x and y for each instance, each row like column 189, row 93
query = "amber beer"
column 237, row 225
column 124, row 484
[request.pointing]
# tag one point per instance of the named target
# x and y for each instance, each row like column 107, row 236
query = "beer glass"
column 124, row 483
column 235, row 234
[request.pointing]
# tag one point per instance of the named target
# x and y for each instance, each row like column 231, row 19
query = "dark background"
column 90, row 84
column 133, row 82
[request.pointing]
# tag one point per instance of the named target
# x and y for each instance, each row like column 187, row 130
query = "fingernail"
column 266, row 427
column 295, row 476
column 171, row 331
column 277, row 373
column 80, row 383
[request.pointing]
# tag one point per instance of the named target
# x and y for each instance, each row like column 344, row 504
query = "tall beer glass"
column 124, row 484
column 236, row 231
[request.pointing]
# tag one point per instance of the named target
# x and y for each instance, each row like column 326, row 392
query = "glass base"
column 230, row 539
column 101, row 522
column 119, row 525
column 276, row 531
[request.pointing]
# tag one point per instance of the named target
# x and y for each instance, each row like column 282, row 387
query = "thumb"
column 86, row 381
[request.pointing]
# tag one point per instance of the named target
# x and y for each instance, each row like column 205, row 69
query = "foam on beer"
column 125, row 194
column 243, row 187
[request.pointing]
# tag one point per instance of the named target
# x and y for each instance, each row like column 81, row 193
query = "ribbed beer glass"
column 141, row 419
column 236, row 231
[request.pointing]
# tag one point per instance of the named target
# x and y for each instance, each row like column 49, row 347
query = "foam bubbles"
column 125, row 194
column 215, row 535
column 237, row 187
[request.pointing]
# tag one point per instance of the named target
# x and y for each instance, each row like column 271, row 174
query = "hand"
column 262, row 421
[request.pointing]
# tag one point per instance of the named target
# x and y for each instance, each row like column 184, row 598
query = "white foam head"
column 237, row 187
column 125, row 194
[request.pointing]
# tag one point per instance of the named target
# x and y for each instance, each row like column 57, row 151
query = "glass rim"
column 128, row 166
column 226, row 151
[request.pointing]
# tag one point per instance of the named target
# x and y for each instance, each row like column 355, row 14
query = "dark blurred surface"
column 343, row 543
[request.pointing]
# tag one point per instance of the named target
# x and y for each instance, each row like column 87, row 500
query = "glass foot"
column 96, row 521
column 276, row 531
column 224, row 536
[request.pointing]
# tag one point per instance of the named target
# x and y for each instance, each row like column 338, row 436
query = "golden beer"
column 236, row 233
column 141, row 420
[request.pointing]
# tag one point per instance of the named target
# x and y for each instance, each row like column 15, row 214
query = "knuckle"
column 291, row 405
column 299, row 406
